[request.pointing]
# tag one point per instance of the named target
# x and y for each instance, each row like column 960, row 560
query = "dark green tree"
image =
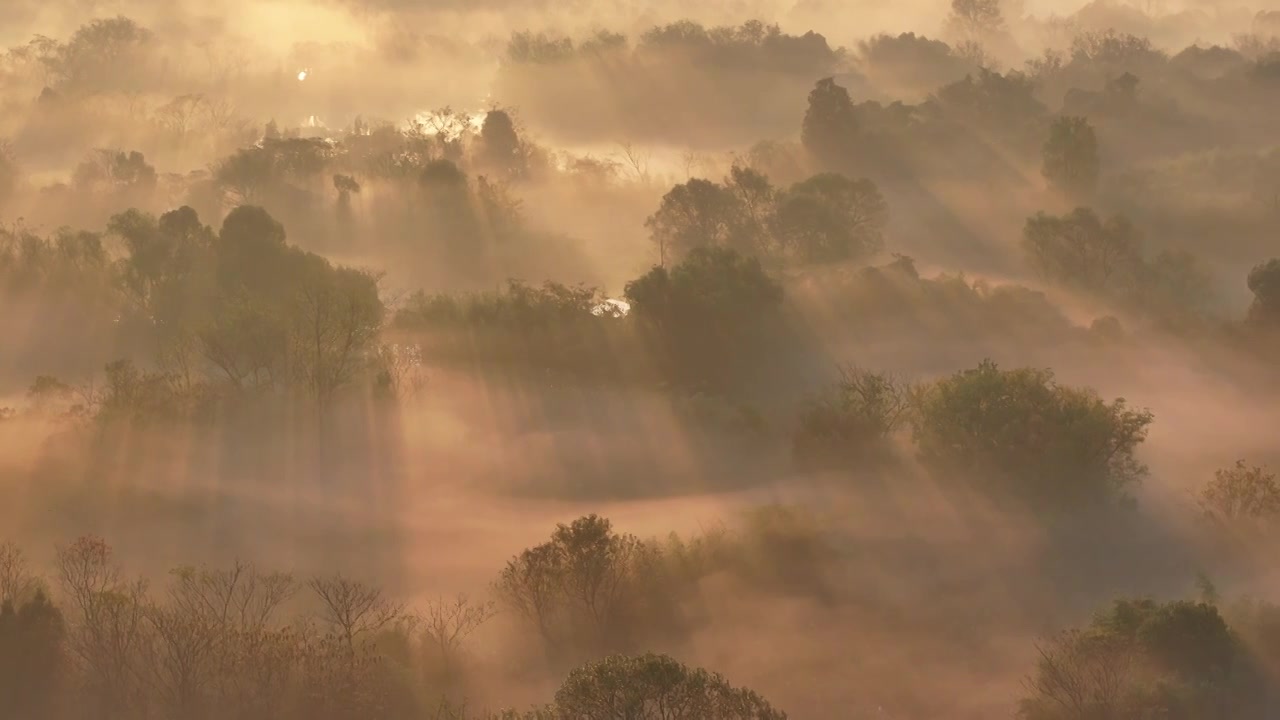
column 1020, row 432
column 830, row 217
column 655, row 687
column 704, row 314
column 1070, row 155
column 830, row 128
column 500, row 148
column 33, row 662
column 853, row 421
column 695, row 214
column 1081, row 250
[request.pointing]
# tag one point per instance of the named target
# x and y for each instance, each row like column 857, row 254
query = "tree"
column 346, row 187
column 100, row 56
column 1143, row 658
column 757, row 199
column 1264, row 282
column 702, row 315
column 1080, row 676
column 695, row 214
column 854, row 419
column 975, row 19
column 32, row 657
column 500, row 147
column 107, row 629
column 830, row 217
column 655, row 687
column 353, row 609
column 576, row 589
column 115, row 170
column 1242, row 494
column 830, row 128
column 1020, row 432
column 335, row 323
column 1079, row 249
column 16, row 582
column 10, row 173
column 1071, row 157
column 166, row 269
column 448, row 623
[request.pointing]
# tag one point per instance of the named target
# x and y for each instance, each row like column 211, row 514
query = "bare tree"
column 449, row 622
column 15, row 579
column 1085, row 675
column 108, row 631
column 353, row 608
column 636, row 159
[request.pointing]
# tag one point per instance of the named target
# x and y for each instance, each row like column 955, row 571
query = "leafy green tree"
column 276, row 314
column 703, row 314
column 1079, row 249
column 695, row 214
column 1020, row 432
column 830, row 217
column 757, row 201
column 830, row 128
column 167, row 266
column 655, row 687
column 991, row 100
column 1071, row 157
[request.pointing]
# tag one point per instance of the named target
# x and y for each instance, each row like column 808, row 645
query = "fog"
column 855, row 351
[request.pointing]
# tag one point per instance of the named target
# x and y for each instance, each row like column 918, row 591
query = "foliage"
column 1144, row 659
column 992, row 100
column 278, row 313
column 703, row 313
column 973, row 19
column 578, row 589
column 655, row 687
column 695, row 214
column 500, row 146
column 831, row 217
column 1020, row 432
column 1241, row 494
column 115, row 170
column 33, row 656
column 1071, row 156
column 552, row 326
column 1264, row 281
column 830, row 128
column 1112, row 48
column 853, row 420
column 1081, row 250
column 826, row 218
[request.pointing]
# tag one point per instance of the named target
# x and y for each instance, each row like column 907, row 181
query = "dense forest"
column 511, row 360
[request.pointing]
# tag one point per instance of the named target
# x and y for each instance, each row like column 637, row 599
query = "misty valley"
column 599, row 360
